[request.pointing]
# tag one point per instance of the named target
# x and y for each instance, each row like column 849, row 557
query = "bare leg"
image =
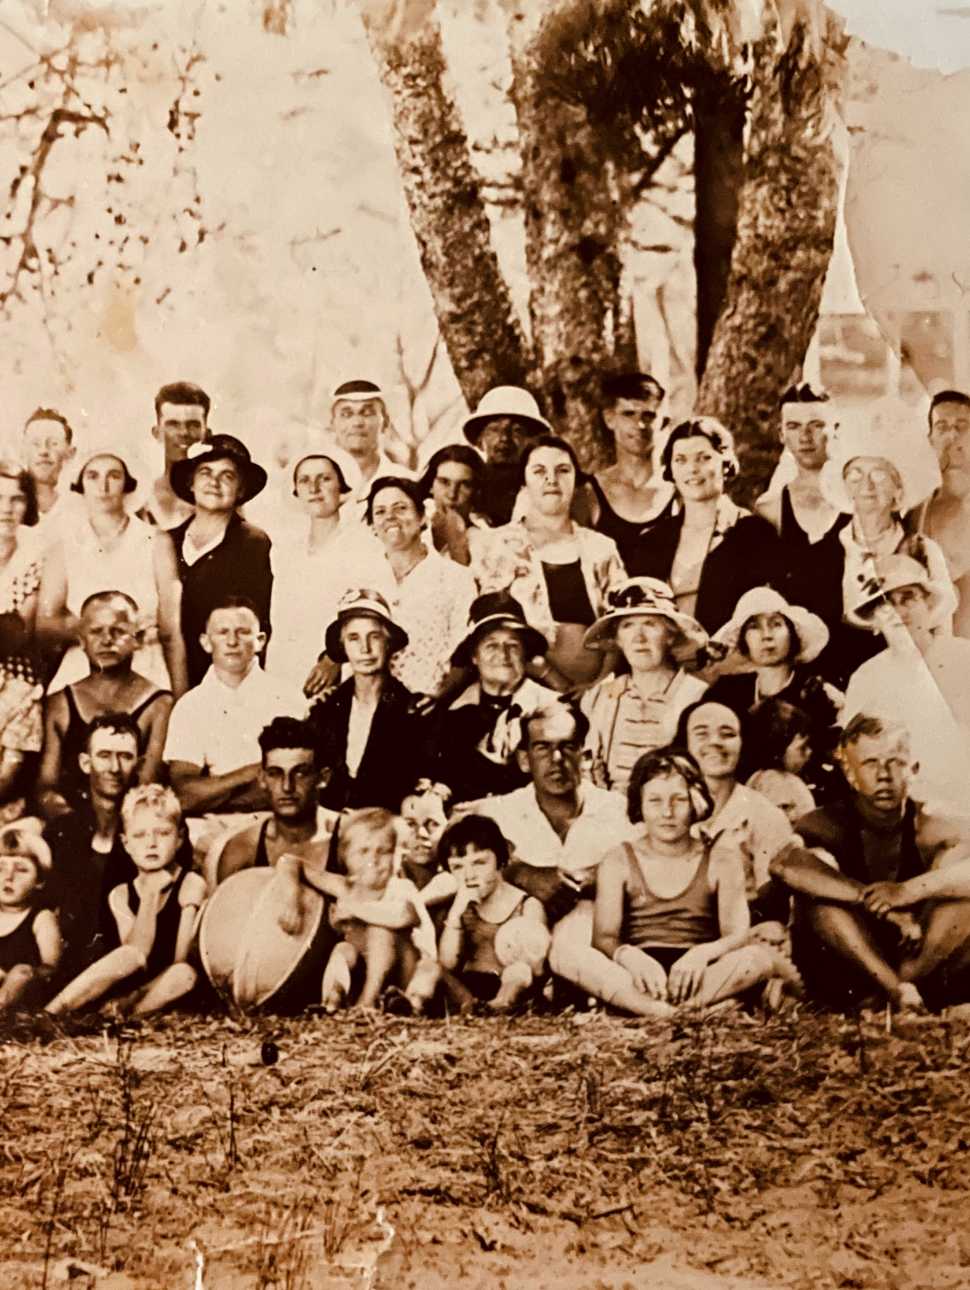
column 733, row 974
column 15, row 984
column 420, row 974
column 600, row 976
column 847, row 935
column 98, row 979
column 172, row 984
column 336, row 976
column 380, row 955
column 516, row 979
column 946, row 937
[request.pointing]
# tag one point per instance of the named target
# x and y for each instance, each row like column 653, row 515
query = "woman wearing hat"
column 367, row 736
column 217, row 552
column 311, row 554
column 476, row 737
column 778, row 642
column 636, row 711
column 558, row 570
column 709, row 550
column 110, row 550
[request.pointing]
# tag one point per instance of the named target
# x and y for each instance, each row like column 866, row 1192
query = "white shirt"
column 756, row 827
column 217, row 728
column 600, row 826
column 358, row 729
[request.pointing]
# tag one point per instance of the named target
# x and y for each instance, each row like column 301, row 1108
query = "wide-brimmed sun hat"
column 363, row 603
column 489, row 612
column 92, row 453
column 506, row 401
column 886, row 432
column 813, row 635
column 645, row 598
column 221, row 447
column 890, row 573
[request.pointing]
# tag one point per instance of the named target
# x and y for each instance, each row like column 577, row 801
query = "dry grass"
column 809, row 1152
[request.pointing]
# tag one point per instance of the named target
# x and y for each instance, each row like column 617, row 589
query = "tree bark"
column 471, row 298
column 786, row 228
column 719, row 111
column 578, row 197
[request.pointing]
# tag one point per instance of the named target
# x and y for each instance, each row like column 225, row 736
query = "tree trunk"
column 471, row 298
column 786, row 228
column 719, row 111
column 577, row 199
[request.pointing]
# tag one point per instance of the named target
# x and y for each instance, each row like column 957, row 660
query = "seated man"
column 289, row 775
column 212, row 749
column 882, row 887
column 110, row 636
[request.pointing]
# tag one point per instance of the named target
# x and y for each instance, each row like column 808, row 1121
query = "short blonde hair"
column 372, row 819
column 151, row 797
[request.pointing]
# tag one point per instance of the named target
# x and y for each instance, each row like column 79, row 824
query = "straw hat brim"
column 398, row 637
column 813, row 635
column 602, row 634
column 533, row 641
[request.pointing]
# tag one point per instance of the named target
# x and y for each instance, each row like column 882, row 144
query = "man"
column 110, row 637
column 181, row 421
column 218, row 553
column 88, row 858
column 946, row 516
column 48, row 446
column 501, row 426
column 921, row 680
column 882, row 886
column 212, row 750
column 627, row 496
column 358, row 420
column 289, row 775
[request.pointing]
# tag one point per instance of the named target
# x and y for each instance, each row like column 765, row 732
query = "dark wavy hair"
column 409, row 487
column 478, row 832
column 661, row 764
column 701, row 428
column 464, row 455
column 550, row 441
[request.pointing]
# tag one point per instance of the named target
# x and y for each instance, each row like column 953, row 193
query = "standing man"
column 504, row 422
column 181, row 421
column 219, row 554
column 358, row 419
column 48, row 446
column 946, row 516
column 882, row 887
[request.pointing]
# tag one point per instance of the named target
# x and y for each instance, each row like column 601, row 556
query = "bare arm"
column 192, row 898
column 158, row 714
column 47, row 934
column 169, row 589
column 452, row 939
column 947, row 880
column 733, row 915
column 198, row 792
column 55, row 625
column 49, row 799
column 608, row 913
column 802, row 871
column 395, row 914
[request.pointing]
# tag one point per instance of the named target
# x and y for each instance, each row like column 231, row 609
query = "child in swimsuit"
column 30, row 940
column 495, row 937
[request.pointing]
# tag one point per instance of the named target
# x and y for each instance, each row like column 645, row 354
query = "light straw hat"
column 813, row 635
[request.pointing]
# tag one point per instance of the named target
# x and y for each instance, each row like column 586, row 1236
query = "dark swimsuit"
column 569, row 600
column 625, row 533
column 73, row 782
column 20, row 945
column 162, row 953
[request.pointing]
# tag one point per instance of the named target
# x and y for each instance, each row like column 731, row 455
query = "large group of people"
column 500, row 735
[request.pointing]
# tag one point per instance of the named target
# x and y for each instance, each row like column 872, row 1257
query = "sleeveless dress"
column 128, row 567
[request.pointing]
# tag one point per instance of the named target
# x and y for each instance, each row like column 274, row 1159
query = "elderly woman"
column 367, row 737
column 559, row 571
column 312, row 554
column 452, row 485
column 671, row 915
column 111, row 550
column 477, row 735
column 709, row 550
column 636, row 711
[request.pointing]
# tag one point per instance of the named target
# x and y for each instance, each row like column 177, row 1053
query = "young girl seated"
column 155, row 913
column 671, row 912
column 381, row 916
column 30, row 940
column 495, row 937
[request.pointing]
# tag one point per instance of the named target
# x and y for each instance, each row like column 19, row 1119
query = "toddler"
column 30, row 940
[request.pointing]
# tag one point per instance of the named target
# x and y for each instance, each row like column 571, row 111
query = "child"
column 30, row 940
column 785, row 790
column 155, row 913
column 424, row 815
column 495, row 937
column 375, row 911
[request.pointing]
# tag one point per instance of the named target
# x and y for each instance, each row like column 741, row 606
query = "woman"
column 367, row 737
column 451, row 486
column 711, row 733
column 671, row 913
column 559, row 571
column 637, row 711
column 21, row 562
column 476, row 738
column 113, row 551
column 779, row 642
column 709, row 550
column 312, row 554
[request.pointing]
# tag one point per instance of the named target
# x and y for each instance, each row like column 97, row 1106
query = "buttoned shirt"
column 753, row 826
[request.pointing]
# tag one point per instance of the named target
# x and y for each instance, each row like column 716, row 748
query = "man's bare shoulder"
column 240, row 851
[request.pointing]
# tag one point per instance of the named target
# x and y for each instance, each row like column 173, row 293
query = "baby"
column 30, row 940
column 495, row 937
column 155, row 913
column 381, row 917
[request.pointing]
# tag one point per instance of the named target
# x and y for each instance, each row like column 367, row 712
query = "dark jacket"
column 745, row 557
column 238, row 566
column 457, row 762
column 393, row 758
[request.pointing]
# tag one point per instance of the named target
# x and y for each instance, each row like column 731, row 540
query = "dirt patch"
column 719, row 1154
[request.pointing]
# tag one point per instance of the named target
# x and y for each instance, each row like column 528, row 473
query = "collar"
column 252, row 677
column 848, row 538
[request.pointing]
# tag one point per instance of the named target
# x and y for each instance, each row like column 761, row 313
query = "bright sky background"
column 930, row 33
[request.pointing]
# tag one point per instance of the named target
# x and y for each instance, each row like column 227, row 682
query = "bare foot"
column 908, row 998
column 909, row 929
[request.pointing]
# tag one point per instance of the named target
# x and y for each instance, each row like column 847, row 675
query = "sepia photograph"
column 484, row 645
